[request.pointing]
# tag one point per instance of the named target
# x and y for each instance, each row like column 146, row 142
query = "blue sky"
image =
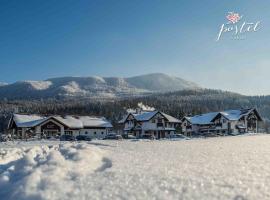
column 41, row 39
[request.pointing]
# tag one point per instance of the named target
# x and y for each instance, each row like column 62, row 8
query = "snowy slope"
column 161, row 82
column 2, row 84
column 215, row 168
column 99, row 87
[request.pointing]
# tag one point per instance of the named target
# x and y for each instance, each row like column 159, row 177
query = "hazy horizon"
column 45, row 39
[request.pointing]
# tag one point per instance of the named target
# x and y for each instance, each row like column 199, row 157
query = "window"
column 68, row 132
column 102, row 133
column 153, row 121
column 86, row 132
column 95, row 133
column 224, row 120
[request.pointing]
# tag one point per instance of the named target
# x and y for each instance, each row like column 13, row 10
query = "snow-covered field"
column 215, row 168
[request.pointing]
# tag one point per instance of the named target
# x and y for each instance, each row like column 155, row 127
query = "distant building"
column 225, row 122
column 24, row 126
column 153, row 123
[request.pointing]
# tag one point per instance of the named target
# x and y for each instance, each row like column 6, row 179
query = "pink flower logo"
column 233, row 17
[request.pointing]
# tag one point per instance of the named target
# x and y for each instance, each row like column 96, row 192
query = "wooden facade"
column 53, row 127
column 155, row 123
column 227, row 122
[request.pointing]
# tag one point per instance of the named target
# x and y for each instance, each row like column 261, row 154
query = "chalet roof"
column 231, row 115
column 235, row 114
column 147, row 115
column 28, row 120
column 202, row 119
column 124, row 118
column 76, row 122
column 95, row 122
column 170, row 118
column 69, row 121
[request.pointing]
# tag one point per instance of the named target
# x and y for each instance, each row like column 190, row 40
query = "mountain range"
column 95, row 87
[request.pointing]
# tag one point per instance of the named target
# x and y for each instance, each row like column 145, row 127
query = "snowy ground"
column 215, row 168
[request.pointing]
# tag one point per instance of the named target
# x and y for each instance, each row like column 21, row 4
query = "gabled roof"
column 234, row 115
column 147, row 115
column 123, row 120
column 69, row 121
column 231, row 115
column 88, row 121
column 75, row 122
column 25, row 121
column 202, row 119
column 171, row 118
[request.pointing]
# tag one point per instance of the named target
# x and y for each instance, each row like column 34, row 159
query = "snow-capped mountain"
column 2, row 84
column 95, row 87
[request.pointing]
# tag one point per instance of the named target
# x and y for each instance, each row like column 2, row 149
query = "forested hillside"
column 177, row 104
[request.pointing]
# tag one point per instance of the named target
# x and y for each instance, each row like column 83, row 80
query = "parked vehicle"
column 113, row 137
column 3, row 138
column 83, row 138
column 67, row 138
column 55, row 137
column 149, row 137
column 178, row 137
column 129, row 136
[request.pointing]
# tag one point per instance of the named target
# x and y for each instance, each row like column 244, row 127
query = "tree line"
column 177, row 104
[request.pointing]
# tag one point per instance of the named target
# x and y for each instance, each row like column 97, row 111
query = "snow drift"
column 229, row 168
column 46, row 172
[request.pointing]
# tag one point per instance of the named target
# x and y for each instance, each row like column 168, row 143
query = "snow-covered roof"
column 207, row 118
column 123, row 119
column 95, row 121
column 147, row 115
column 70, row 121
column 170, row 118
column 28, row 120
column 235, row 114
column 202, row 119
column 75, row 122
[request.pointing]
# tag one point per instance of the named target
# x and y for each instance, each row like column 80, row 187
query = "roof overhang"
column 257, row 114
